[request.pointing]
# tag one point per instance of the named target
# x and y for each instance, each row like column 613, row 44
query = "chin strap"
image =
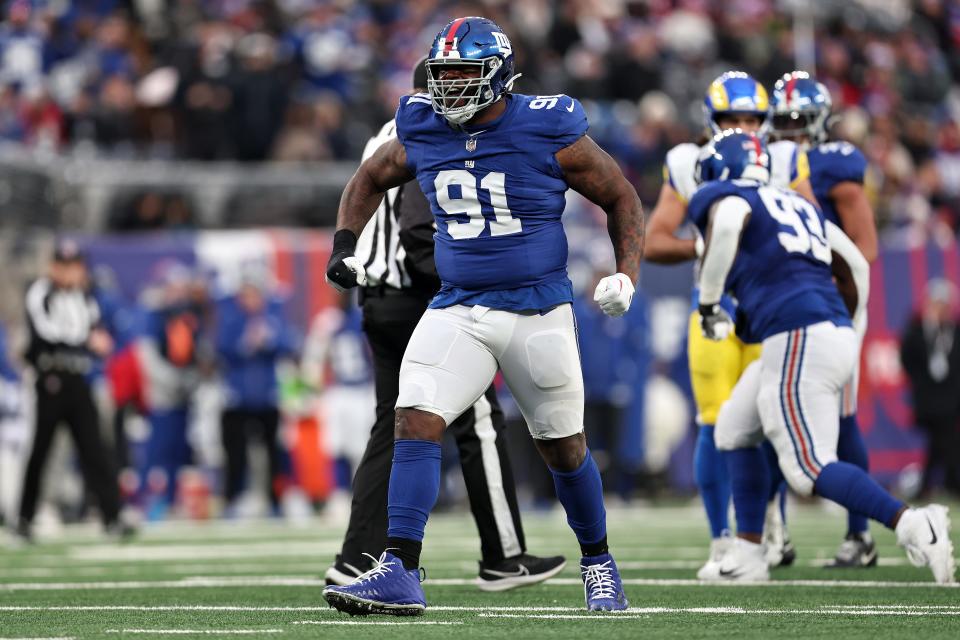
column 508, row 85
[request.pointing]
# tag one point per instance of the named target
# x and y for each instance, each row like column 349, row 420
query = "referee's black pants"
column 66, row 397
column 237, row 427
column 389, row 320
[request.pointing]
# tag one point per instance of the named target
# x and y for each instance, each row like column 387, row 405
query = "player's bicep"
column 856, row 216
column 591, row 172
column 387, row 167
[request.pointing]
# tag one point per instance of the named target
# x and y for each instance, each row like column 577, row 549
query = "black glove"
column 715, row 323
column 344, row 270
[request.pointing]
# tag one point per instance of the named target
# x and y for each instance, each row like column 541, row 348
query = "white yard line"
column 378, row 622
column 531, row 613
column 219, row 632
column 208, row 582
column 643, row 612
column 838, row 608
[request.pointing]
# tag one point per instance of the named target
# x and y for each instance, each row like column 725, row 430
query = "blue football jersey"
column 830, row 164
column 781, row 276
column 497, row 194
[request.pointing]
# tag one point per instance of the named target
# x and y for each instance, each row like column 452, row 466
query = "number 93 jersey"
column 497, row 194
column 781, row 276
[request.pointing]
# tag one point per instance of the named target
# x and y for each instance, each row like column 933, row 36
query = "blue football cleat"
column 601, row 584
column 386, row 589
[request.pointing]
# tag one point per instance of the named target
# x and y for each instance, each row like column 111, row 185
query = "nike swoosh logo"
column 933, row 534
column 476, row 133
column 729, row 573
column 570, row 108
column 522, row 571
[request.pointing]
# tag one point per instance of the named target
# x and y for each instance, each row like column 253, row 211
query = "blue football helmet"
column 463, row 43
column 801, row 107
column 736, row 92
column 733, row 155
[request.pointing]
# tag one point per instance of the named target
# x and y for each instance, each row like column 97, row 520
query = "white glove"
column 351, row 264
column 614, row 294
column 715, row 323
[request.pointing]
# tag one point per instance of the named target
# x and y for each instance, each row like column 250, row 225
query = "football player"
column 801, row 109
column 495, row 167
column 733, row 100
column 768, row 248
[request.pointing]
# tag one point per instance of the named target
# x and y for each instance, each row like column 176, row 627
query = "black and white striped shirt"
column 60, row 321
column 379, row 245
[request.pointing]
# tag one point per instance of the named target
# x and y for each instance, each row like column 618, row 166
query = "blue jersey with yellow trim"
column 781, row 276
column 830, row 164
column 497, row 194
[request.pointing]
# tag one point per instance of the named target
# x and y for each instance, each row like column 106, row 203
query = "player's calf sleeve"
column 851, row 448
column 778, row 484
column 750, row 485
column 710, row 474
column 581, row 494
column 414, row 485
column 851, row 487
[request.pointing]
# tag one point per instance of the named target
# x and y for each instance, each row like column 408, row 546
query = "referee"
column 396, row 248
column 63, row 319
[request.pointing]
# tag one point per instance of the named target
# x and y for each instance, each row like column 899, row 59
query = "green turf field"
column 263, row 579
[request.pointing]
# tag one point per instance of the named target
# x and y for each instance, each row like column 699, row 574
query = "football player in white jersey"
column 733, row 100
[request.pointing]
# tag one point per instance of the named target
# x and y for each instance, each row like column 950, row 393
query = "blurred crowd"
column 205, row 396
column 298, row 80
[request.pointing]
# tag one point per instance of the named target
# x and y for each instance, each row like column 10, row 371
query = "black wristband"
column 344, row 241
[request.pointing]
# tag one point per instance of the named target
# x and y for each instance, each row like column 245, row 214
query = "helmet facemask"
column 802, row 123
column 458, row 100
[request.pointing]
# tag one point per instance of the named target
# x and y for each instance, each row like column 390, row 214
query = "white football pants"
column 454, row 354
column 791, row 396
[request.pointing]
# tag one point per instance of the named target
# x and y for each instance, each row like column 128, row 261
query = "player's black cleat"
column 518, row 571
column 789, row 553
column 342, row 573
column 857, row 550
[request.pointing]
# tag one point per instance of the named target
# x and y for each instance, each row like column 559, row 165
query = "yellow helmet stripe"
column 719, row 98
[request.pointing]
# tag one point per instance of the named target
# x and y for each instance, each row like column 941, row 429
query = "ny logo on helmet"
column 502, row 42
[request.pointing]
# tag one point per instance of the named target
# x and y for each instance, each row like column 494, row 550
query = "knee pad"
column 557, row 419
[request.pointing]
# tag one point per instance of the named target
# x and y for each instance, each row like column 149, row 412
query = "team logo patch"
column 472, row 145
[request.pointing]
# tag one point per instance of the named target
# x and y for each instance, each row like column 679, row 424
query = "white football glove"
column 715, row 323
column 344, row 270
column 614, row 294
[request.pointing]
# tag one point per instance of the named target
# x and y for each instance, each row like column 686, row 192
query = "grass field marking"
column 218, row 632
column 487, row 611
column 628, row 565
column 639, row 613
column 207, row 582
column 160, row 607
column 381, row 623
column 684, row 582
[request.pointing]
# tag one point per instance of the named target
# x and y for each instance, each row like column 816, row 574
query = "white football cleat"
column 718, row 548
column 745, row 561
column 925, row 534
column 776, row 538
